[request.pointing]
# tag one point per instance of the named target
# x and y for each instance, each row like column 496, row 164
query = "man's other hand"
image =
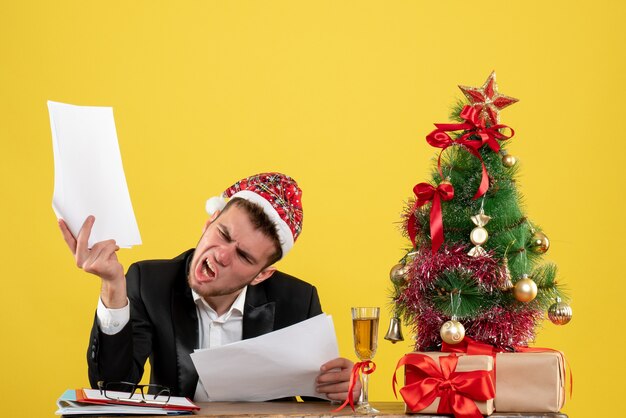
column 334, row 380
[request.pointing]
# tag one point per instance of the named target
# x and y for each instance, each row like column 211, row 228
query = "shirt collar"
column 238, row 304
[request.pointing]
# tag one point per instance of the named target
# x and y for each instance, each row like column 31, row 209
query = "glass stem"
column 364, row 393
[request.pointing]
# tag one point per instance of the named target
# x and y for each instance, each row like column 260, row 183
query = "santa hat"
column 277, row 194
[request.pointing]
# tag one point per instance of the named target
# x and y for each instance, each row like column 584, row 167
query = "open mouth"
column 208, row 271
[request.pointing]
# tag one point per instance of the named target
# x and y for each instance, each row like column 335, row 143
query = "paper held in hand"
column 278, row 364
column 88, row 174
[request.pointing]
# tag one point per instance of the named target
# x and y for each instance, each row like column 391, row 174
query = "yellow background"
column 340, row 95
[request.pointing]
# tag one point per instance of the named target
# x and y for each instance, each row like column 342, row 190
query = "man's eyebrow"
column 224, row 229
column 246, row 255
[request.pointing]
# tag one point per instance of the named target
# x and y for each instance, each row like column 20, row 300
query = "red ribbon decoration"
column 425, row 193
column 457, row 390
column 365, row 367
column 470, row 346
column 474, row 125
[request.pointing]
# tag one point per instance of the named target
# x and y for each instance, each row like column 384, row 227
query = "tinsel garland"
column 501, row 326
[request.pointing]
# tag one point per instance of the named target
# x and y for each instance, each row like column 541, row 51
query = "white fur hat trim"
column 285, row 236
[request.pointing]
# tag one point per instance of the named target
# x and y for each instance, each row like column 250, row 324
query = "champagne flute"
column 365, row 328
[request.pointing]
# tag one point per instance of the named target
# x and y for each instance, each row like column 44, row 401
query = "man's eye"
column 245, row 258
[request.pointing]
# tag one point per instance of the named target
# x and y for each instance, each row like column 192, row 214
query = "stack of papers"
column 88, row 174
column 275, row 365
column 91, row 402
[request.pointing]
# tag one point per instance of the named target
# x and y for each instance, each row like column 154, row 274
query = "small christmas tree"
column 475, row 267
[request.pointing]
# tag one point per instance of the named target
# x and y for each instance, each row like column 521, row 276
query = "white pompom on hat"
column 214, row 204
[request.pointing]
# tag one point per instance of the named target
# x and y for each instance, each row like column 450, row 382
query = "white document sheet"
column 275, row 365
column 88, row 174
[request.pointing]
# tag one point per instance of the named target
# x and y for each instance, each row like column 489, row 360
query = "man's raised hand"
column 100, row 260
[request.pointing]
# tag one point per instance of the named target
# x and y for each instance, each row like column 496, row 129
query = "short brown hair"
column 261, row 222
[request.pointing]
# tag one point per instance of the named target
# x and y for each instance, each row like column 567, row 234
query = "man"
column 224, row 290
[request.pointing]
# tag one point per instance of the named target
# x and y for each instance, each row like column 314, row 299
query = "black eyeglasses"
column 132, row 392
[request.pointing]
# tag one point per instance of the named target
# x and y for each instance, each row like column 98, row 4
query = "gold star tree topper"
column 488, row 100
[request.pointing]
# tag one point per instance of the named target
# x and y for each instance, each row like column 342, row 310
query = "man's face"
column 230, row 255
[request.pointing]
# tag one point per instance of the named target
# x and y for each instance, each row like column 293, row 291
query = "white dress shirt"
column 217, row 330
column 213, row 330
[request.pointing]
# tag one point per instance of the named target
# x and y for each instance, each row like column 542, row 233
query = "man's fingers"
column 82, row 241
column 334, row 377
column 338, row 393
column 338, row 363
column 69, row 238
column 99, row 256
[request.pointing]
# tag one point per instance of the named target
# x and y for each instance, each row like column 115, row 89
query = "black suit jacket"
column 164, row 324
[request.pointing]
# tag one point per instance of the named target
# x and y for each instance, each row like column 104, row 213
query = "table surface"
column 323, row 409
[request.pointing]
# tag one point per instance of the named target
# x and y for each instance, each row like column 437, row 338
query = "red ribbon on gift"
column 475, row 126
column 365, row 367
column 457, row 391
column 425, row 193
column 470, row 346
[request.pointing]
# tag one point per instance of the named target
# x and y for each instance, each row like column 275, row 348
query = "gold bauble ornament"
column 398, row 274
column 452, row 332
column 539, row 243
column 525, row 289
column 560, row 313
column 508, row 160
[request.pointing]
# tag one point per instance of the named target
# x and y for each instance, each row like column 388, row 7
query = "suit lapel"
column 185, row 321
column 258, row 315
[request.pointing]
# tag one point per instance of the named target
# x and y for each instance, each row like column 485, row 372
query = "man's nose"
column 224, row 254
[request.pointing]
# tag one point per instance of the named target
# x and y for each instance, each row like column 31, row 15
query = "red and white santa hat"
column 278, row 195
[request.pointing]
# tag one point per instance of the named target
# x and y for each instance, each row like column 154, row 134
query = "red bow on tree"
column 425, row 193
column 457, row 391
column 475, row 126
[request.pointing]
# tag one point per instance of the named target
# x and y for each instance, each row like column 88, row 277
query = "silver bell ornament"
column 394, row 333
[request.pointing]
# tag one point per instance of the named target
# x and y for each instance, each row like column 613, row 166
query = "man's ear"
column 263, row 275
column 210, row 220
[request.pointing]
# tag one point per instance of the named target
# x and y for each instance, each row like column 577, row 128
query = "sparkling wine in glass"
column 365, row 329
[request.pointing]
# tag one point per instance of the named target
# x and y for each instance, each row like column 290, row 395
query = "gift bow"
column 365, row 367
column 457, row 391
column 474, row 125
column 425, row 192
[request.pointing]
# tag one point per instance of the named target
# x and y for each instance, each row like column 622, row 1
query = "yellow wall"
column 340, row 95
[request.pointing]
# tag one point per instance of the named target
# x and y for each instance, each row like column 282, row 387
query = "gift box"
column 444, row 383
column 530, row 382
